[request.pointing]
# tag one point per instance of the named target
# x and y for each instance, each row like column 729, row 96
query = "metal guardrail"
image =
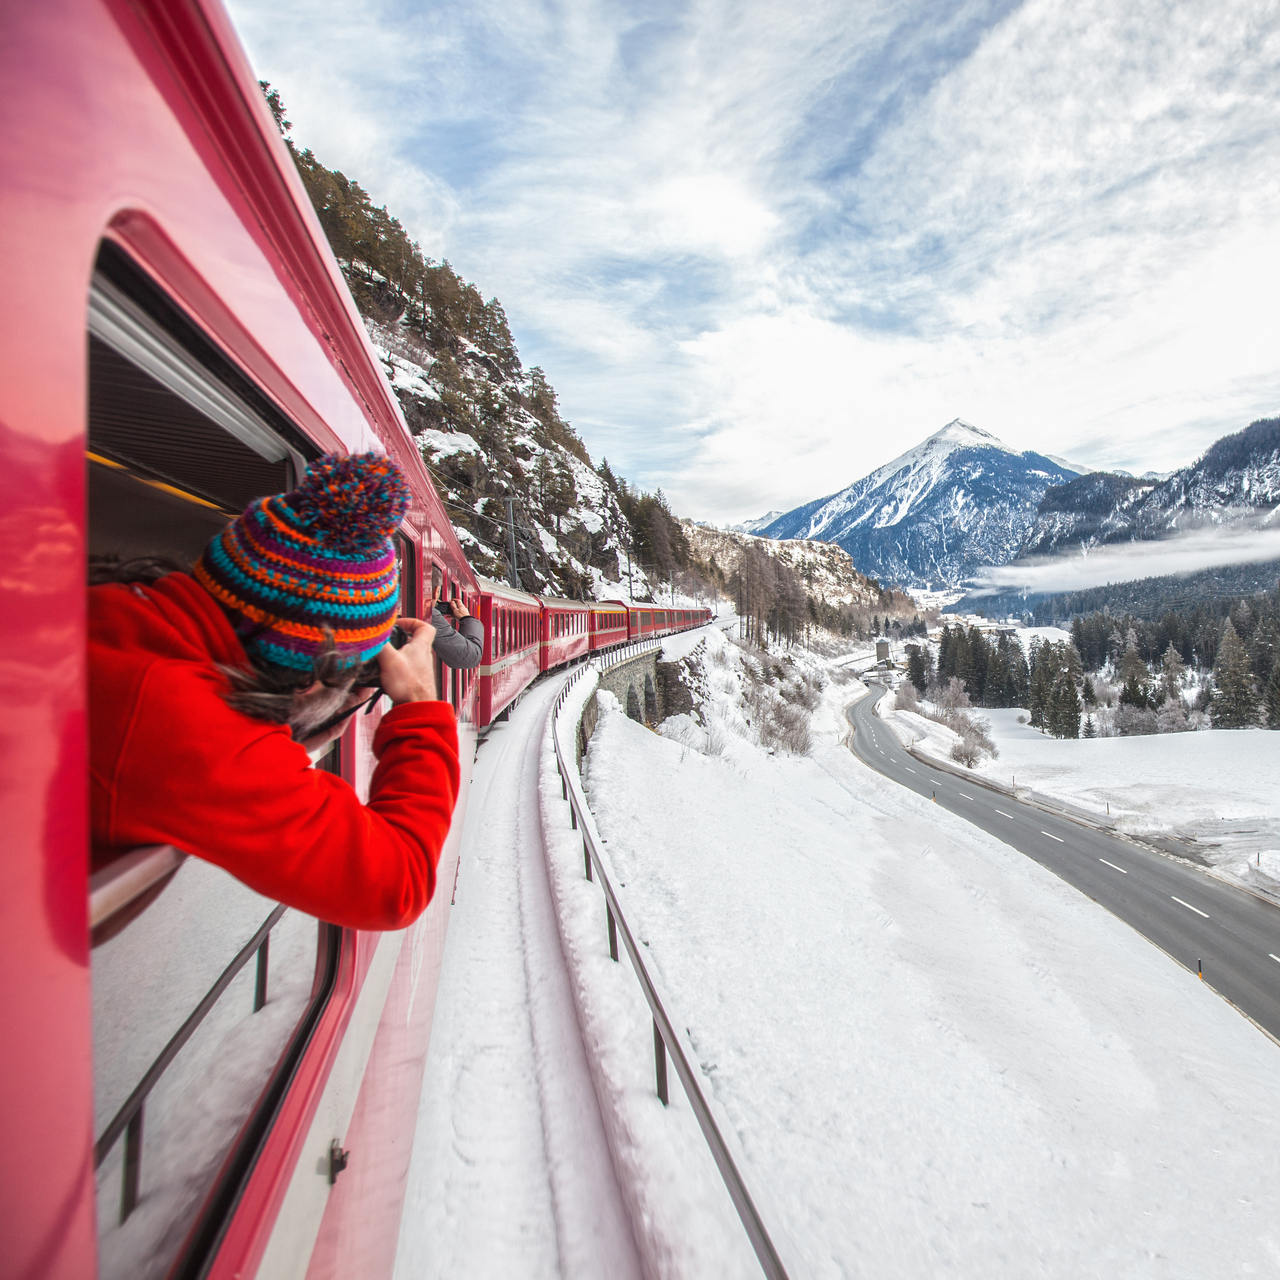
column 666, row 1043
column 128, row 1120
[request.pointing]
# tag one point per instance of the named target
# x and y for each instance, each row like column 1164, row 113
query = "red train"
column 526, row 635
column 183, row 343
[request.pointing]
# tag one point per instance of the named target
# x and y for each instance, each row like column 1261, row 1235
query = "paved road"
column 1195, row 918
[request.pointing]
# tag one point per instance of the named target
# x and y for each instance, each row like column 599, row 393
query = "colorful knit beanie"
column 298, row 569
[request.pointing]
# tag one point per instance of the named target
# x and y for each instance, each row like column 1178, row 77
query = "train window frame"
column 144, row 335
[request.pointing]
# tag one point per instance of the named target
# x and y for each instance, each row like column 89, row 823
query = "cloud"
column 739, row 233
column 1125, row 562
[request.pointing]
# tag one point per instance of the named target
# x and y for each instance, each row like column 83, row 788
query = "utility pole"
column 511, row 536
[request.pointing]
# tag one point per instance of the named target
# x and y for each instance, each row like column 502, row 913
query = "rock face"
column 959, row 500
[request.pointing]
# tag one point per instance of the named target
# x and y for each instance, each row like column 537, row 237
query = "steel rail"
column 666, row 1042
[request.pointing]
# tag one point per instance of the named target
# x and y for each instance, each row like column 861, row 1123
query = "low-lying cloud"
column 1125, row 562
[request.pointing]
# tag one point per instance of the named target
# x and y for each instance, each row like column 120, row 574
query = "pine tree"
column 1090, row 729
column 1271, row 697
column 1233, row 705
column 1064, row 709
column 917, row 672
column 1171, row 672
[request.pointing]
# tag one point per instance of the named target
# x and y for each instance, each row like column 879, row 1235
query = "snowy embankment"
column 935, row 1057
column 1216, row 788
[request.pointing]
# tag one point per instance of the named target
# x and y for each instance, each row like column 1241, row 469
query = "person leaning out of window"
column 207, row 689
column 459, row 638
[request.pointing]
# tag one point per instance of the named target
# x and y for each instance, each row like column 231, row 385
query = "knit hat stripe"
column 284, row 589
column 303, row 570
column 302, row 634
column 259, row 543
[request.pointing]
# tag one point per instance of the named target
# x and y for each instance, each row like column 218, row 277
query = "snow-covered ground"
column 1216, row 788
column 889, row 1011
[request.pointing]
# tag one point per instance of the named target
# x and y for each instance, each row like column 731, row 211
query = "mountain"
column 959, row 500
column 754, row 526
column 814, row 581
column 1235, row 483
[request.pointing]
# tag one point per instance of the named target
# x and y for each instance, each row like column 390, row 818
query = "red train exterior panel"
column 509, row 663
column 564, row 631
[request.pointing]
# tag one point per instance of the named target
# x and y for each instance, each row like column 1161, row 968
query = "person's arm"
column 242, row 794
column 461, row 645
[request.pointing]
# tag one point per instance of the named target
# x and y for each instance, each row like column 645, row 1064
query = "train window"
column 178, row 442
column 407, row 561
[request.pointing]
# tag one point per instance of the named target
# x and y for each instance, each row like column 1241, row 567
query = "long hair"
column 260, row 690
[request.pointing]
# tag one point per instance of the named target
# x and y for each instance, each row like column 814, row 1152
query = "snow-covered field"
column 891, row 1014
column 1217, row 788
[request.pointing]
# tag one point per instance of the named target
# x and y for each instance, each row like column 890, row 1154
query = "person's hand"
column 409, row 674
column 460, row 610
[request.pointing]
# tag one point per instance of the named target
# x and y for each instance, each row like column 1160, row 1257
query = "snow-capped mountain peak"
column 961, row 434
column 960, row 498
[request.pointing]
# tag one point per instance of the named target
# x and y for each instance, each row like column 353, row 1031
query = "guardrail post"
column 260, row 979
column 660, row 1061
column 586, row 859
column 613, row 931
column 132, row 1166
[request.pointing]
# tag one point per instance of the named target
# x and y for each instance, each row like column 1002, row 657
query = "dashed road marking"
column 1002, row 813
column 1276, row 958
column 908, row 768
column 1113, row 867
column 1189, row 907
column 1051, row 836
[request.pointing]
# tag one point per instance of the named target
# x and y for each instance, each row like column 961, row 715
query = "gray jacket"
column 457, row 646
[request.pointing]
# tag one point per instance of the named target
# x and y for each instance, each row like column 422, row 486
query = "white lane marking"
column 1051, row 836
column 1113, row 867
column 1189, row 907
column 1002, row 813
column 908, row 768
column 1276, row 958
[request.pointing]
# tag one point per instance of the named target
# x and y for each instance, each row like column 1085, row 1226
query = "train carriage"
column 564, row 631
column 184, row 343
column 510, row 661
column 608, row 626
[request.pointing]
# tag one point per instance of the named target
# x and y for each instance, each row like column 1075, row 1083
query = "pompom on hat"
column 299, row 569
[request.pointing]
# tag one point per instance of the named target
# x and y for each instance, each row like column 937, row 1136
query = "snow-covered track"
column 667, row 1042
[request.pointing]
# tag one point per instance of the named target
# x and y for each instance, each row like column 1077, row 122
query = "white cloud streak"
column 761, row 252
column 1125, row 562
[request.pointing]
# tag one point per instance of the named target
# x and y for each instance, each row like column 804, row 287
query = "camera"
column 369, row 676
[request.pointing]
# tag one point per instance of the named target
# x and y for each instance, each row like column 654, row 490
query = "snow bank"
column 896, row 1015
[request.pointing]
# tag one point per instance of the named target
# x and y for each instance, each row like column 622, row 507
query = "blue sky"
column 761, row 252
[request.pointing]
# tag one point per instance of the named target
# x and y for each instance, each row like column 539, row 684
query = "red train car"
column 564, row 631
column 510, row 663
column 608, row 624
column 182, row 343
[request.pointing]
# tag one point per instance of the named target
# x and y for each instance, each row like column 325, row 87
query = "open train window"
column 200, row 973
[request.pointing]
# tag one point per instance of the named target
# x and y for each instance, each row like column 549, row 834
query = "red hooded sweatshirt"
column 171, row 763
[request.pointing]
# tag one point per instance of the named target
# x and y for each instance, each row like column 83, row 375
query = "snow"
column 890, row 1011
